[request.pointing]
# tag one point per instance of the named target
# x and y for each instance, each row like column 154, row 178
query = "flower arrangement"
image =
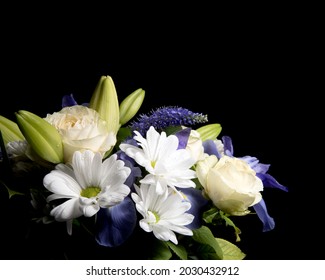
column 164, row 178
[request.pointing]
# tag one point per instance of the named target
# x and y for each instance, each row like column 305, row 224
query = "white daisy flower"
column 17, row 148
column 163, row 215
column 165, row 163
column 87, row 184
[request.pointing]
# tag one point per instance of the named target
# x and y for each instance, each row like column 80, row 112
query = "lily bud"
column 131, row 105
column 209, row 131
column 104, row 100
column 43, row 137
column 10, row 130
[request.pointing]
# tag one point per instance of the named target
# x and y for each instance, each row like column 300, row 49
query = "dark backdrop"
column 248, row 79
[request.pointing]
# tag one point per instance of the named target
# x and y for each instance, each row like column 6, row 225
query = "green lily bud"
column 43, row 137
column 104, row 100
column 209, row 131
column 10, row 130
column 131, row 105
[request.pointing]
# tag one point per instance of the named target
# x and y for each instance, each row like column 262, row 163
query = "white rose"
column 230, row 183
column 81, row 128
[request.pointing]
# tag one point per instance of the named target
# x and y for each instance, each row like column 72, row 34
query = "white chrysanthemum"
column 163, row 215
column 20, row 153
column 87, row 184
column 166, row 165
column 17, row 148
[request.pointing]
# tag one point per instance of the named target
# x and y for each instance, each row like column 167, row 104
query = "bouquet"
column 165, row 179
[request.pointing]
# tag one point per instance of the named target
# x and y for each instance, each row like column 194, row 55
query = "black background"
column 252, row 76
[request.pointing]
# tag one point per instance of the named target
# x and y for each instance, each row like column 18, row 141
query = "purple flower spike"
column 164, row 117
column 261, row 211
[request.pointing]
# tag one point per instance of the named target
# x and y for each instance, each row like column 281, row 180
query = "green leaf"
column 230, row 250
column 204, row 235
column 172, row 129
column 179, row 250
column 161, row 251
column 206, row 252
column 210, row 215
column 123, row 133
column 10, row 191
column 229, row 222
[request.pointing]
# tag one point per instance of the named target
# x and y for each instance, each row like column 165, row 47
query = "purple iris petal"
column 261, row 211
column 255, row 165
column 269, row 181
column 183, row 136
column 135, row 173
column 198, row 203
column 262, row 168
column 68, row 100
column 210, row 148
column 135, row 170
column 228, row 147
column 115, row 225
column 252, row 161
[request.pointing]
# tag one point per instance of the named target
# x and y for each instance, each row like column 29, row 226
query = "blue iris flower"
column 68, row 100
column 198, row 204
column 115, row 225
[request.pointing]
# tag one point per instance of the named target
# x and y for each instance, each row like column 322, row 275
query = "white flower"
column 22, row 156
column 230, row 183
column 81, row 128
column 87, row 184
column 194, row 145
column 17, row 148
column 166, row 165
column 220, row 147
column 163, row 215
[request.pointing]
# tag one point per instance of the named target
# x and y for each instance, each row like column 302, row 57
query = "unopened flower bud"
column 131, row 105
column 104, row 100
column 43, row 137
column 209, row 131
column 10, row 131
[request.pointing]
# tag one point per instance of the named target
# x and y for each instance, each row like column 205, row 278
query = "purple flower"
column 68, row 101
column 115, row 225
column 167, row 116
column 198, row 204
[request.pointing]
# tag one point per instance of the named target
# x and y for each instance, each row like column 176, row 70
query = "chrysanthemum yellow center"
column 90, row 192
column 153, row 164
column 156, row 216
